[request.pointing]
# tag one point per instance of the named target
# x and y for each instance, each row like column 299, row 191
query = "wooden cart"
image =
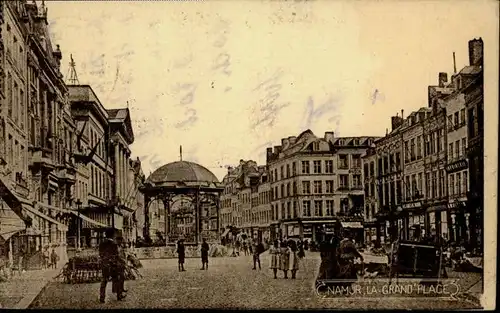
column 416, row 259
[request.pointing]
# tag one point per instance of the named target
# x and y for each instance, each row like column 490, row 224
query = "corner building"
column 316, row 185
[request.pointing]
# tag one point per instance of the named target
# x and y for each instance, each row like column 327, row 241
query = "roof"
column 182, row 171
column 120, row 114
column 122, row 117
column 471, row 70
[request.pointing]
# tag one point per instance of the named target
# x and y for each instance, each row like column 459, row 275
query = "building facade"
column 474, row 101
column 92, row 120
column 37, row 135
column 371, row 224
column 384, row 172
column 457, row 168
column 123, row 192
column 315, row 184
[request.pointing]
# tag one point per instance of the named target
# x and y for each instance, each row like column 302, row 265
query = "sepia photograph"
column 248, row 154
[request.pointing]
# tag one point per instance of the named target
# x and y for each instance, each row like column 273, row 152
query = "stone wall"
column 170, row 252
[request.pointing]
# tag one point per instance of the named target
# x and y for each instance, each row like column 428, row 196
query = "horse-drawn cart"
column 416, row 259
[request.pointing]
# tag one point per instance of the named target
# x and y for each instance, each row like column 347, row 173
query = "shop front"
column 437, row 217
column 356, row 228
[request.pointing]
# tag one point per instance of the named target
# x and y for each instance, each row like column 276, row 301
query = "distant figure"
column 300, row 248
column 274, row 251
column 22, row 255
column 109, row 254
column 54, row 258
column 294, row 258
column 285, row 258
column 46, row 257
column 119, row 284
column 257, row 249
column 181, row 254
column 204, row 254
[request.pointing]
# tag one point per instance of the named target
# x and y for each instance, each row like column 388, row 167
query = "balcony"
column 42, row 158
column 21, row 186
column 454, row 127
column 67, row 175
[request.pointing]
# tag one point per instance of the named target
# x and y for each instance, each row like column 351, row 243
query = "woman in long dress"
column 274, row 251
column 294, row 258
column 285, row 258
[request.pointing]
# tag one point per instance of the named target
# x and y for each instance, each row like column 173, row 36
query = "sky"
column 226, row 79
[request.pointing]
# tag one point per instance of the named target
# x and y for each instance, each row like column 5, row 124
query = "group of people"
column 338, row 256
column 286, row 256
column 50, row 259
column 181, row 254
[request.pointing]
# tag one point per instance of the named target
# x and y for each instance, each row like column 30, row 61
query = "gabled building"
column 316, row 185
column 96, row 164
column 121, row 136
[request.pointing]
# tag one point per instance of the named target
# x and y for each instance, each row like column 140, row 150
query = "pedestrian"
column 295, row 259
column 109, row 256
column 54, row 258
column 245, row 247
column 119, row 283
column 300, row 247
column 285, row 258
column 204, row 254
column 46, row 257
column 257, row 249
column 21, row 259
column 181, row 254
column 274, row 251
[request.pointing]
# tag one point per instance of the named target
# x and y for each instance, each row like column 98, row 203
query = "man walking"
column 181, row 254
column 109, row 254
column 257, row 249
column 204, row 254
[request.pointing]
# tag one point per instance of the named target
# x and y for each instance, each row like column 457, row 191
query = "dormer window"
column 341, row 142
column 355, row 142
column 315, row 146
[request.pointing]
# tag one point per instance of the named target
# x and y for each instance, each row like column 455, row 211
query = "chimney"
column 476, row 52
column 284, row 143
column 229, row 169
column 329, row 136
column 442, row 79
column 402, row 114
column 269, row 154
column 277, row 149
column 395, row 122
column 292, row 139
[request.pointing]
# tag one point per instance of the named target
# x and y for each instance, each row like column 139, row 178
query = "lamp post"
column 78, row 207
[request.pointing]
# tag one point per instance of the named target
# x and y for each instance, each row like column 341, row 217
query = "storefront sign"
column 412, row 205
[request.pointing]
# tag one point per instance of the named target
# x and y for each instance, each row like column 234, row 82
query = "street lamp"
column 78, row 207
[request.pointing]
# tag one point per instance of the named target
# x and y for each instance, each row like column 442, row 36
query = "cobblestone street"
column 229, row 283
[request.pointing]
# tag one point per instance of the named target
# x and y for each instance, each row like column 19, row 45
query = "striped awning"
column 89, row 220
column 60, row 225
column 10, row 223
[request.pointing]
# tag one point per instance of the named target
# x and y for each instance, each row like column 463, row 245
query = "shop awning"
column 351, row 224
column 51, row 207
column 225, row 232
column 33, row 232
column 10, row 223
column 89, row 220
column 46, row 217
